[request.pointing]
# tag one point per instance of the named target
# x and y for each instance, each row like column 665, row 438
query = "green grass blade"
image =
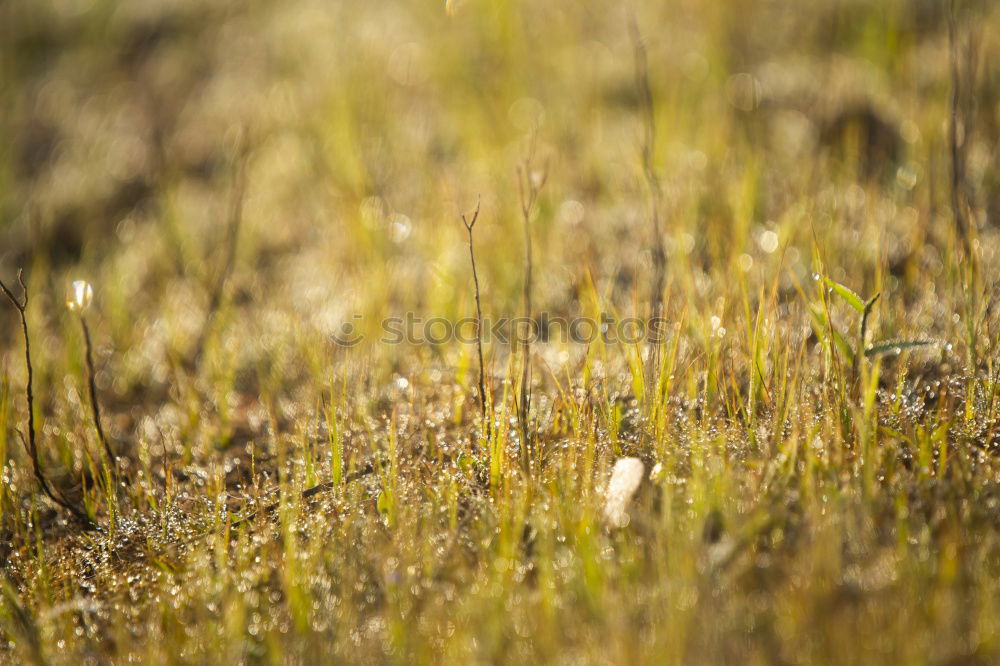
column 845, row 293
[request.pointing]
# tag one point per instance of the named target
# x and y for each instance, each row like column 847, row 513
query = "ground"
column 763, row 240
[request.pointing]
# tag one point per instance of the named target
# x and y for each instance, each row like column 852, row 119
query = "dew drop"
column 79, row 295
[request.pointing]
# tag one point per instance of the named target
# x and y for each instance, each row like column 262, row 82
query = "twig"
column 235, row 218
column 95, row 409
column 487, row 420
column 963, row 206
column 956, row 147
column 528, row 189
column 32, row 443
column 306, row 494
column 647, row 150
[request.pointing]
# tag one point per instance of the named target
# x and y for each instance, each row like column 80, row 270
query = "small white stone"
column 625, row 480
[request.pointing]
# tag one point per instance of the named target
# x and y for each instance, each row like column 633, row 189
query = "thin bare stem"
column 530, row 184
column 487, row 420
column 32, row 442
column 647, row 150
column 235, row 222
column 960, row 127
column 308, row 493
column 956, row 146
column 95, row 408
column 649, row 172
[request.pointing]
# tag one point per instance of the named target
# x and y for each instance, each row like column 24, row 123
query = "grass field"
column 757, row 245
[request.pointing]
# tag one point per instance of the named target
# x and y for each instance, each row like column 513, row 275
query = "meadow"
column 499, row 332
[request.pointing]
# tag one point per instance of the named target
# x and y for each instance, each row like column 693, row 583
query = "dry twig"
column 21, row 305
column 95, row 409
column 529, row 184
column 487, row 420
column 235, row 222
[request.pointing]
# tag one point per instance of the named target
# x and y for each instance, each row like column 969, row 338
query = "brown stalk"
column 528, row 189
column 647, row 110
column 235, row 222
column 95, row 408
column 956, row 147
column 32, row 443
column 487, row 421
column 649, row 172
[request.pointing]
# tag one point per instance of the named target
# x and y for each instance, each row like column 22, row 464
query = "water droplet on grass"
column 79, row 295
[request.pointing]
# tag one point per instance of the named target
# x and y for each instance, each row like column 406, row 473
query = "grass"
column 801, row 197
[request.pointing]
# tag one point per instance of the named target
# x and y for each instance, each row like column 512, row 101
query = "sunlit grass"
column 817, row 430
